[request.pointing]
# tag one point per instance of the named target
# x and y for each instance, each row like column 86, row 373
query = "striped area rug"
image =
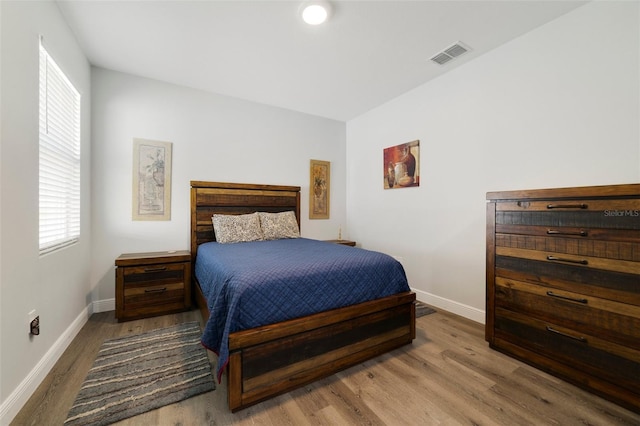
column 136, row 374
column 422, row 309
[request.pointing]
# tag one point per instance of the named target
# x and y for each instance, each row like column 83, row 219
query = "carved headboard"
column 208, row 198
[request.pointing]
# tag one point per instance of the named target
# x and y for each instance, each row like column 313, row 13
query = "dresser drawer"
column 584, row 352
column 563, row 258
column 609, row 207
column 588, row 246
column 568, row 233
column 590, row 214
column 612, row 285
column 610, row 320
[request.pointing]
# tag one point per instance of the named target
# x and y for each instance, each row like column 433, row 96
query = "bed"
column 268, row 360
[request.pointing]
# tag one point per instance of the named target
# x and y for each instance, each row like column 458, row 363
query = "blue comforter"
column 257, row 283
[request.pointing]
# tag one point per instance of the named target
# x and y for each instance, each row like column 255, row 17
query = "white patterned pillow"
column 237, row 228
column 279, row 225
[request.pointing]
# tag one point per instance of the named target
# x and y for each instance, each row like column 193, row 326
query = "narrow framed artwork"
column 319, row 189
column 401, row 165
column 151, row 180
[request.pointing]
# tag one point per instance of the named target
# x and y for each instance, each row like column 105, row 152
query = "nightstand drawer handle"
column 562, row 259
column 156, row 290
column 568, row 206
column 578, row 338
column 162, row 268
column 559, row 296
column 581, row 233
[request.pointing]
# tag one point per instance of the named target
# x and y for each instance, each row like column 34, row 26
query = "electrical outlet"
column 35, row 326
column 34, row 323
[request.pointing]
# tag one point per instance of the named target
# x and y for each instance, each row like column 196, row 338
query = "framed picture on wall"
column 319, row 189
column 151, row 180
column 401, row 165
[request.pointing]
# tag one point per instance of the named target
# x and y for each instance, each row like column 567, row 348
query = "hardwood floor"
column 447, row 376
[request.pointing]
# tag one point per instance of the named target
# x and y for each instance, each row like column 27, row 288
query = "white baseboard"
column 19, row 397
column 452, row 306
column 104, row 305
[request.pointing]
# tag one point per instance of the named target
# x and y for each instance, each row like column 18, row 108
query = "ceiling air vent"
column 450, row 53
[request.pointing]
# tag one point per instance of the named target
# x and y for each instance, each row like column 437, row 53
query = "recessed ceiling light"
column 315, row 12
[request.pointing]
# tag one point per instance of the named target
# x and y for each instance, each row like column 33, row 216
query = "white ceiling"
column 368, row 52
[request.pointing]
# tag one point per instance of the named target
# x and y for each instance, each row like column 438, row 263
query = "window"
column 59, row 165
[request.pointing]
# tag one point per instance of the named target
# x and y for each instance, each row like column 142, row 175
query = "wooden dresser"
column 149, row 284
column 563, row 284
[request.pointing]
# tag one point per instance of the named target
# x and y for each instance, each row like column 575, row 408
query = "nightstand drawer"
column 140, row 296
column 155, row 274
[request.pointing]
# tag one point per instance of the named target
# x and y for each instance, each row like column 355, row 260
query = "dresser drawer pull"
column 156, row 290
column 581, row 233
column 562, row 259
column 578, row 338
column 568, row 206
column 559, row 296
column 161, row 268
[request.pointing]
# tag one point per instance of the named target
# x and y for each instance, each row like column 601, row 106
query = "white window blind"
column 59, row 176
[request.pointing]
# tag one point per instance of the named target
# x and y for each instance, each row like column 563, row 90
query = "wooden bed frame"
column 274, row 359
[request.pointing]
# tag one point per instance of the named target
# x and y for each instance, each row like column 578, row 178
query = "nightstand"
column 343, row 242
column 150, row 284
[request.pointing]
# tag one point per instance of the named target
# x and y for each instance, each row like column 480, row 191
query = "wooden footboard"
column 277, row 358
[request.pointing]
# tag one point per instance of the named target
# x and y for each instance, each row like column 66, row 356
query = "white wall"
column 556, row 107
column 56, row 285
column 215, row 138
column 1, row 137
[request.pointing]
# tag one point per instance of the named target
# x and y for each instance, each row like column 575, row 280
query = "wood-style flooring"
column 448, row 376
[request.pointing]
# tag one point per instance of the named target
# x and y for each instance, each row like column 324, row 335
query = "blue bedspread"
column 257, row 283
